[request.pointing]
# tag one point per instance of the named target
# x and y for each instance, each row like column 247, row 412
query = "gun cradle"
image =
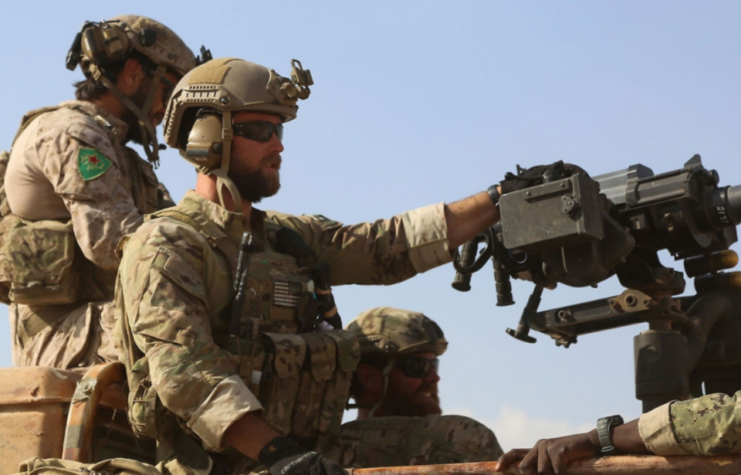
column 565, row 324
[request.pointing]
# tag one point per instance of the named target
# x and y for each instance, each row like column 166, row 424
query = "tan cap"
column 396, row 332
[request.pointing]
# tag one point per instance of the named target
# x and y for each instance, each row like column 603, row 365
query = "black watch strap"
column 605, row 426
column 494, row 194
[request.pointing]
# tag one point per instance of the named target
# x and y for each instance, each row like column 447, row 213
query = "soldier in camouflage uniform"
column 395, row 389
column 702, row 426
column 74, row 189
column 231, row 374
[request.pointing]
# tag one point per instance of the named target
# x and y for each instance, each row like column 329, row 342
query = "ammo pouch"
column 306, row 381
column 142, row 400
column 38, row 260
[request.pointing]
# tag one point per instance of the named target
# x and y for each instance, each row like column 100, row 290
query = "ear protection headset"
column 209, row 148
column 205, row 143
column 104, row 43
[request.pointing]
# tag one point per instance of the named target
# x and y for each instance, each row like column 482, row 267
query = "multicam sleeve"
column 383, row 252
column 708, row 425
column 162, row 272
column 82, row 166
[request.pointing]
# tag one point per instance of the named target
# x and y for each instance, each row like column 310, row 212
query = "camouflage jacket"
column 71, row 164
column 703, row 426
column 175, row 286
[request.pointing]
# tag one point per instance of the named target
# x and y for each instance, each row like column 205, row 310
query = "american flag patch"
column 286, row 294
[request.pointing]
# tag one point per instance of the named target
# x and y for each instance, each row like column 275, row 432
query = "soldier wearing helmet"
column 73, row 188
column 395, row 389
column 397, row 374
column 229, row 331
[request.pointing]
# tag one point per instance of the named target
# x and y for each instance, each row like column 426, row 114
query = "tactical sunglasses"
column 417, row 366
column 258, row 130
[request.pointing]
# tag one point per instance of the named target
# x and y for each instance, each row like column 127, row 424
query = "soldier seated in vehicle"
column 395, row 390
column 74, row 188
column 234, row 374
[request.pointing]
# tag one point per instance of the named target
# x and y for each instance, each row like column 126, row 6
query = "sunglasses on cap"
column 258, row 130
column 417, row 366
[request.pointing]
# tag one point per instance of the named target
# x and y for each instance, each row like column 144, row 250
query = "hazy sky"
column 422, row 102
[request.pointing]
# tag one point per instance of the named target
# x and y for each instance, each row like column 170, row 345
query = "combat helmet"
column 98, row 44
column 397, row 332
column 198, row 120
column 394, row 333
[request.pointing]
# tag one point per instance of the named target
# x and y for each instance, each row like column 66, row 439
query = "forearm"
column 249, row 435
column 626, row 438
column 468, row 217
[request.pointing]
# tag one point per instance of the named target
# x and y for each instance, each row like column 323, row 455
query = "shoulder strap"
column 178, row 216
column 30, row 116
column 223, row 244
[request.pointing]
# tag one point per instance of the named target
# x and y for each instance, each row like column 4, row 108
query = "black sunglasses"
column 258, row 130
column 417, row 366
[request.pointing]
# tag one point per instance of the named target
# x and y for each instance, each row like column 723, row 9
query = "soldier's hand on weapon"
column 527, row 177
column 283, row 457
column 550, row 456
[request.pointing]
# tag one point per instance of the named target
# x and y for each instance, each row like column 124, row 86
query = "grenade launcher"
column 566, row 227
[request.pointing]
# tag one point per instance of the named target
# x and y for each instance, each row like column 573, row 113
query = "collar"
column 218, row 222
column 104, row 118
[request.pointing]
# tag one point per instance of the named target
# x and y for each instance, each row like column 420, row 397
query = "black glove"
column 532, row 176
column 283, row 457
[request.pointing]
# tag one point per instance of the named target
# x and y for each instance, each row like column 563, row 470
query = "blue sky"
column 422, row 102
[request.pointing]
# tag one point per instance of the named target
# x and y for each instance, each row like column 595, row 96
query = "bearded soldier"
column 74, row 189
column 231, row 373
column 396, row 391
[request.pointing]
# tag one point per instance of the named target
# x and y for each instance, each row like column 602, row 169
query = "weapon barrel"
column 616, row 465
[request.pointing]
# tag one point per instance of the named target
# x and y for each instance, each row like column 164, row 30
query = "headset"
column 105, row 42
column 205, row 140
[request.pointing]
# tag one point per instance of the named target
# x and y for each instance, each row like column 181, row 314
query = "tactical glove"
column 536, row 175
column 283, row 457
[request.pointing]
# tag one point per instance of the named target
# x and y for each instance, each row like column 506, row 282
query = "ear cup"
column 205, row 142
column 105, row 43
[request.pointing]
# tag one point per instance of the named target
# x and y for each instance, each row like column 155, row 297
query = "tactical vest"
column 301, row 379
column 40, row 261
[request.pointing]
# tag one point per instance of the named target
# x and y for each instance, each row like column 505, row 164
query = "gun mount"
column 565, row 227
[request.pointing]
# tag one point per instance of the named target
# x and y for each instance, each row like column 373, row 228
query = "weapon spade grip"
column 462, row 281
column 503, row 285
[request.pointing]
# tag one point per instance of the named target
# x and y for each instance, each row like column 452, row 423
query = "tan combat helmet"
column 396, row 332
column 111, row 40
column 198, row 120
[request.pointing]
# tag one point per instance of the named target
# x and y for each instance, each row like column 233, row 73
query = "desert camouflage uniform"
column 44, row 182
column 707, row 425
column 176, row 286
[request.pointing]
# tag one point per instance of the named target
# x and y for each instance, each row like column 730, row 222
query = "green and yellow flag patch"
column 92, row 163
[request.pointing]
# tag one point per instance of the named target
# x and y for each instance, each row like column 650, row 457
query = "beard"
column 254, row 185
column 138, row 98
column 424, row 401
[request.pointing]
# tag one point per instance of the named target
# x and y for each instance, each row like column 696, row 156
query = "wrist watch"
column 605, row 427
column 494, row 195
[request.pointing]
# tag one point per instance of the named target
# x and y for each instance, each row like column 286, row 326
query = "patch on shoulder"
column 91, row 163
